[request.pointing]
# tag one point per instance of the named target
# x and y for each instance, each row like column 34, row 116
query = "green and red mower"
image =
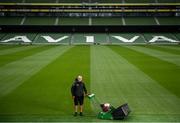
column 109, row 112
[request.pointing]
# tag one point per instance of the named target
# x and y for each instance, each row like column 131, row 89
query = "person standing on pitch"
column 78, row 91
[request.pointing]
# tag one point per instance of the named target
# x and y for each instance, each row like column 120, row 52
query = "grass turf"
column 116, row 79
column 5, row 47
column 19, row 53
column 165, row 49
column 50, row 97
column 165, row 73
column 36, row 87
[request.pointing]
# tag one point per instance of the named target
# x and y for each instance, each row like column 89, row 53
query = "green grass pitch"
column 35, row 81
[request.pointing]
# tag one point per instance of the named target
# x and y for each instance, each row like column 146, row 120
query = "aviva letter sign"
column 89, row 39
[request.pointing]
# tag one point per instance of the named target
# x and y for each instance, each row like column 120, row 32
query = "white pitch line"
column 23, row 20
column 157, row 21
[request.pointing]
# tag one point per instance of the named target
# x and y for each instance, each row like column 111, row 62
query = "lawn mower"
column 109, row 112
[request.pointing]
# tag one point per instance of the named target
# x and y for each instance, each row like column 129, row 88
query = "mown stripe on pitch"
column 165, row 56
column 16, row 49
column 5, row 47
column 48, row 91
column 8, row 58
column 173, row 47
column 116, row 81
column 165, row 73
column 15, row 73
column 163, row 49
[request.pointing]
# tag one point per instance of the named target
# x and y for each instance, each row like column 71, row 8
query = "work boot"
column 75, row 114
column 81, row 114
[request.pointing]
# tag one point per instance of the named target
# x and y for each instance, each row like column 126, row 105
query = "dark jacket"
column 78, row 89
